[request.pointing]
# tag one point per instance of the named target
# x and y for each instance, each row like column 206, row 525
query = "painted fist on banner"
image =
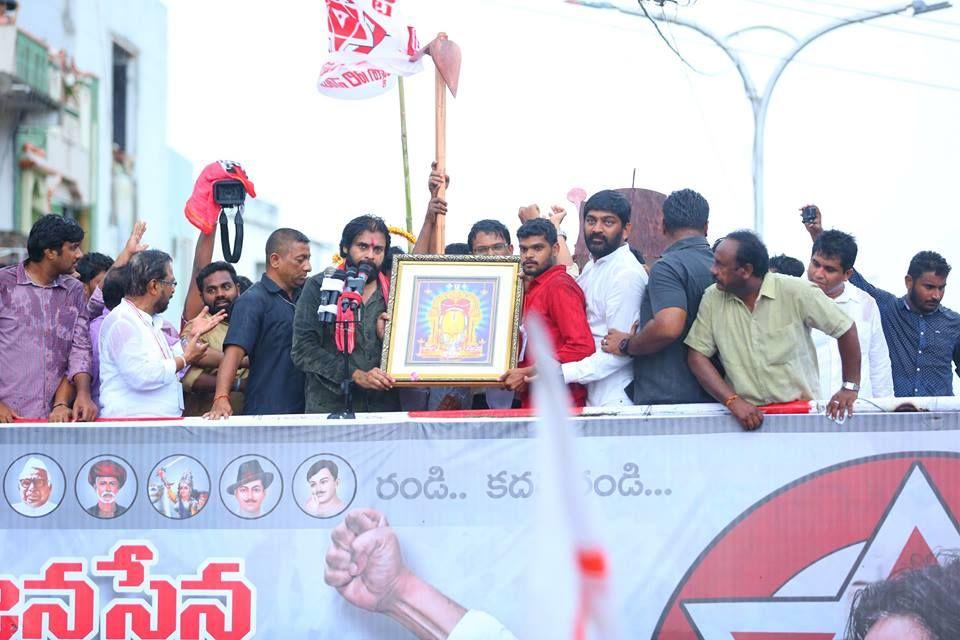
column 365, row 563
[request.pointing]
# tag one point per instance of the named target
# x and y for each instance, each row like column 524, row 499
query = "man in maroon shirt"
column 553, row 295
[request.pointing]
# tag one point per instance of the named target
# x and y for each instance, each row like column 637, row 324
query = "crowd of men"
column 81, row 336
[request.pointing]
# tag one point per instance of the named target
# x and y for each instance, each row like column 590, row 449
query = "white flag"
column 571, row 556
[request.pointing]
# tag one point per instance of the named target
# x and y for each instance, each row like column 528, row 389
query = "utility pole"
column 760, row 102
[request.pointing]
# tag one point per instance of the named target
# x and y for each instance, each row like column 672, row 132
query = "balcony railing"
column 25, row 71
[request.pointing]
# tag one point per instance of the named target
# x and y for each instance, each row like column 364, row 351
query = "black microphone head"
column 351, row 272
column 339, row 274
column 365, row 270
column 329, row 271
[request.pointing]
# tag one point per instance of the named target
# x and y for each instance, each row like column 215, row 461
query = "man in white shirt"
column 35, row 489
column 139, row 371
column 831, row 264
column 613, row 283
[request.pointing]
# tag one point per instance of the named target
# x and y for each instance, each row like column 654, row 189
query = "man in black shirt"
column 669, row 307
column 261, row 327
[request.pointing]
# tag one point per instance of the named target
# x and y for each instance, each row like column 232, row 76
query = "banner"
column 369, row 43
column 192, row 529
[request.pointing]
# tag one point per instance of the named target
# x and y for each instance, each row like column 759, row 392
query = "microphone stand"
column 346, row 385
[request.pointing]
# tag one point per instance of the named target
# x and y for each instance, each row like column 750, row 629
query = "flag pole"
column 406, row 156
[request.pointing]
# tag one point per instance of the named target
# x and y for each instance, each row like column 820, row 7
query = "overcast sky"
column 864, row 122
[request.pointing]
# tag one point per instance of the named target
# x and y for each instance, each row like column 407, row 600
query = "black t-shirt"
column 262, row 324
column 678, row 279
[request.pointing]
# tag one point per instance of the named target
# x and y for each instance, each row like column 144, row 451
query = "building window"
column 122, row 99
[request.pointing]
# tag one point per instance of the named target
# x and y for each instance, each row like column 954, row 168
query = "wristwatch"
column 850, row 386
column 624, row 344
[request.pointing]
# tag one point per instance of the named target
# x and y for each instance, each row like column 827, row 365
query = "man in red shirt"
column 553, row 295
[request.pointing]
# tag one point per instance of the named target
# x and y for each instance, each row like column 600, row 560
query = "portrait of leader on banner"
column 179, row 487
column 106, row 487
column 324, row 485
column 34, row 485
column 251, row 487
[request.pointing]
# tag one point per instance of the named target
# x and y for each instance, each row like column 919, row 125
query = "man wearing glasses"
column 140, row 371
column 35, row 489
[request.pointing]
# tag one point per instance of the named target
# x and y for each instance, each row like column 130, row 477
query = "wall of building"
column 7, row 162
column 88, row 30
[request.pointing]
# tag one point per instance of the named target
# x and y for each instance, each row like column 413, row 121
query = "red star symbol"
column 815, row 603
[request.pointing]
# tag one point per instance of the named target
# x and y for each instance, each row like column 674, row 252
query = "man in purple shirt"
column 44, row 338
column 112, row 290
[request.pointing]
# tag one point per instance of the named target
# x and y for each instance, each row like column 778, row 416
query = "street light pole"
column 760, row 102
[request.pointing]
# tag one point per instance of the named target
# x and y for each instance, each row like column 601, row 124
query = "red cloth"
column 345, row 339
column 562, row 308
column 201, row 209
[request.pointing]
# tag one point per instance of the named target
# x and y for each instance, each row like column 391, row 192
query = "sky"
column 553, row 96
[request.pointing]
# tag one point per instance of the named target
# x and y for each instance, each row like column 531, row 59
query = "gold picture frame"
column 454, row 320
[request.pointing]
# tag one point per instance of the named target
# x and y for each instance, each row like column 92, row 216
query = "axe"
column 446, row 58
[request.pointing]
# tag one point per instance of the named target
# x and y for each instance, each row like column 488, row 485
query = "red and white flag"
column 571, row 569
column 370, row 44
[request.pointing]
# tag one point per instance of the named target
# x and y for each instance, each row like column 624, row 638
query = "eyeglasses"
column 169, row 283
column 36, row 482
column 500, row 247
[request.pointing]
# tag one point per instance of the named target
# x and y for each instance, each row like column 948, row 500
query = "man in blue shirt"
column 923, row 336
column 261, row 328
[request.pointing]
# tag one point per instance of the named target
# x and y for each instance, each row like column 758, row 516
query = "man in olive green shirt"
column 365, row 240
column 760, row 323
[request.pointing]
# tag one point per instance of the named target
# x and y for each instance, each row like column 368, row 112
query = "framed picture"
column 454, row 320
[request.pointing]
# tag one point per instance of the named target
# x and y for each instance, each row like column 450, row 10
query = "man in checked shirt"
column 44, row 340
column 923, row 336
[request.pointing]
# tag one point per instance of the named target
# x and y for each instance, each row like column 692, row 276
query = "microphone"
column 357, row 278
column 330, row 288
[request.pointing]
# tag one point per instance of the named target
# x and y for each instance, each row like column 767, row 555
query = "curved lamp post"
column 760, row 102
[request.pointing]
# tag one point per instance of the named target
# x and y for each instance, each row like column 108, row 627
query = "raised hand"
column 364, row 562
column 557, row 214
column 437, row 179
column 530, row 212
column 203, row 321
column 133, row 245
column 815, row 228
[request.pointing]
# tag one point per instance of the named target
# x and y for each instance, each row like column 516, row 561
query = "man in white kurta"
column 876, row 379
column 139, row 369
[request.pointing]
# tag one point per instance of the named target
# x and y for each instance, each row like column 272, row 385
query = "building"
column 83, row 86
column 83, row 133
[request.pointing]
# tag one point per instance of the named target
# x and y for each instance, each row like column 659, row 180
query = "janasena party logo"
column 787, row 568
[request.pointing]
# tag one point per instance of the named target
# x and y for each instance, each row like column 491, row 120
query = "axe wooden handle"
column 441, row 156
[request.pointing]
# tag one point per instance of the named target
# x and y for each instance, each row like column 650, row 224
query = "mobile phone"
column 808, row 213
